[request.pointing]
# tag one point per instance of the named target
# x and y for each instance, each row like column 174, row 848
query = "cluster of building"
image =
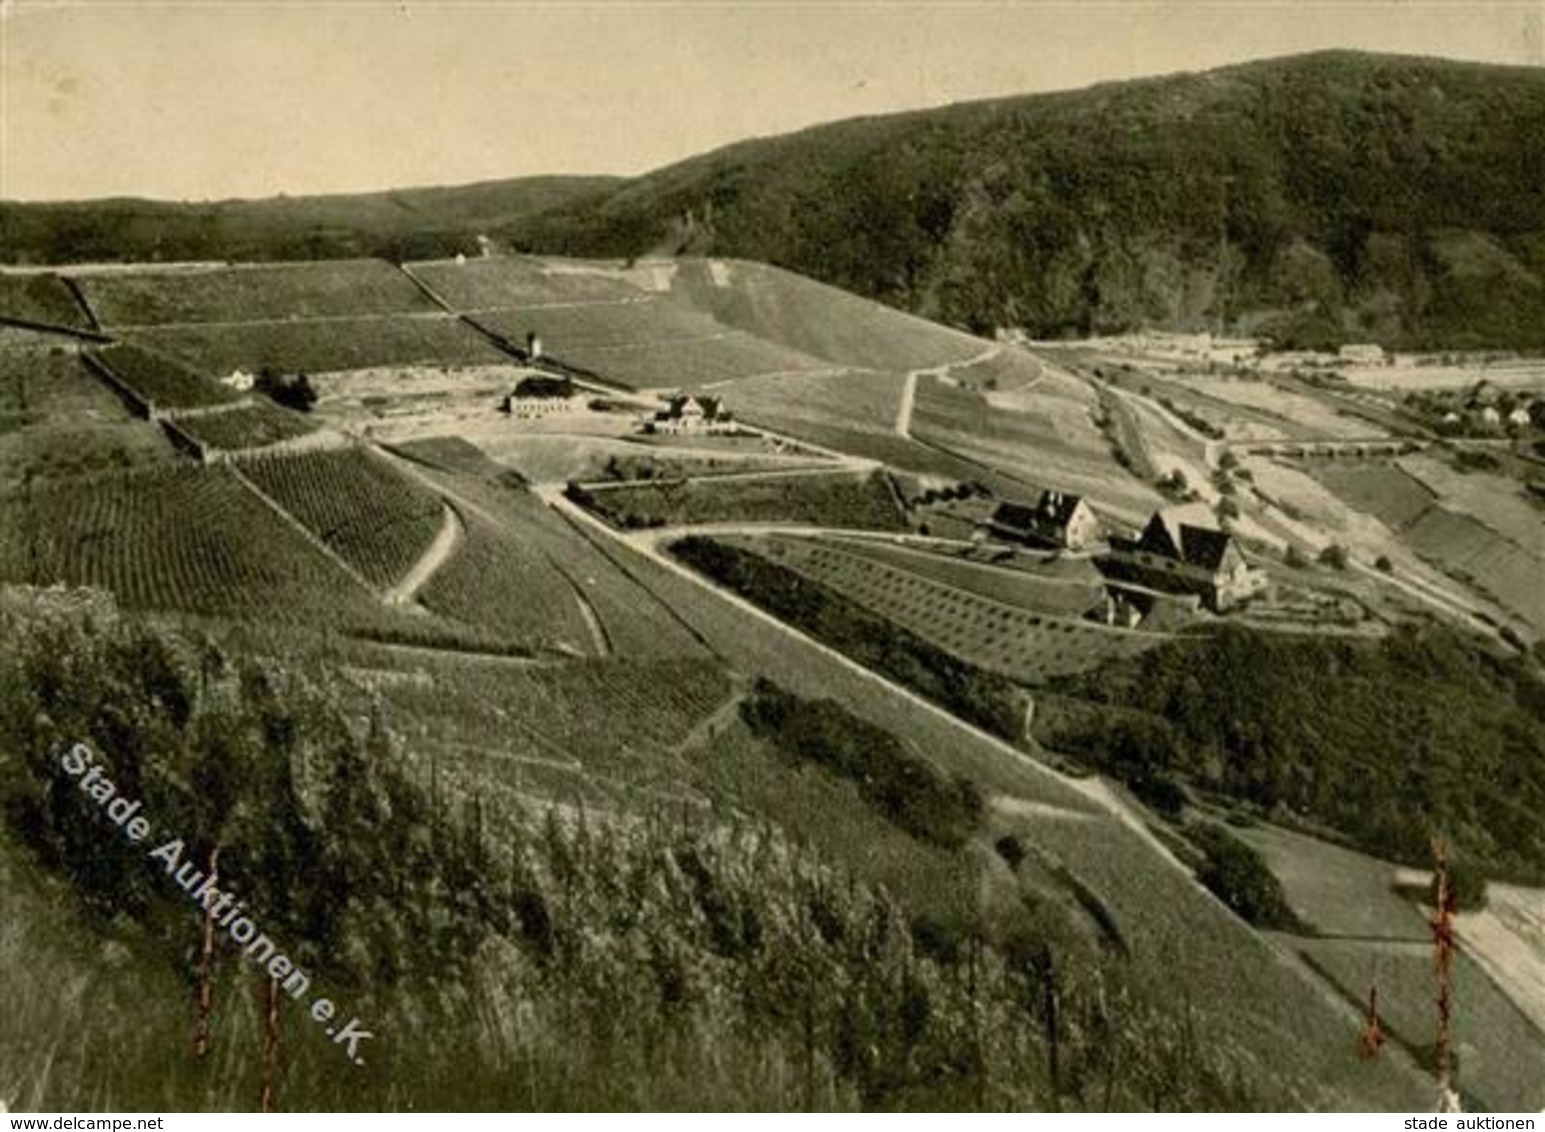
column 1181, row 552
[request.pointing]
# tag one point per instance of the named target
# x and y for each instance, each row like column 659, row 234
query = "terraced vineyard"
column 1068, row 589
column 597, row 732
column 160, row 381
column 838, row 499
column 862, row 399
column 377, row 519
column 177, row 537
column 499, row 583
column 251, row 293
column 1003, row 372
column 502, row 282
column 250, row 426
column 325, row 346
column 1501, row 568
column 1025, row 646
column 42, row 299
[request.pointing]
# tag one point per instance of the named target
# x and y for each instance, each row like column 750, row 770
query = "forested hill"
column 402, row 224
column 1319, row 198
column 1322, row 197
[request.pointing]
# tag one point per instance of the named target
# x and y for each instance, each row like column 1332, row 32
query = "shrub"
column 1334, row 556
column 1236, row 875
column 1383, row 563
column 1295, row 557
column 1467, row 883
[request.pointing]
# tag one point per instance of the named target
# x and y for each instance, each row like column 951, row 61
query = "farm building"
column 239, row 380
column 540, row 395
column 1180, row 551
column 687, row 414
column 1058, row 519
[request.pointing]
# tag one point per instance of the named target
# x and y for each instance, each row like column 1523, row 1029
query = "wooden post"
column 204, row 996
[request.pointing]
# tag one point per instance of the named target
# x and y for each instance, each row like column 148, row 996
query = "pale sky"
column 241, row 98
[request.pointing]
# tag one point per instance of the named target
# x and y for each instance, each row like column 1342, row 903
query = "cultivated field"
column 1406, row 375
column 497, row 582
column 836, row 499
column 818, row 320
column 248, row 426
column 324, row 346
column 175, row 538
column 1069, row 588
column 687, row 364
column 859, row 399
column 1495, row 501
column 374, row 517
column 1006, row 371
column 559, row 459
column 1023, row 645
column 160, row 381
column 59, row 446
column 1384, row 491
column 517, row 281
column 39, row 298
column 1045, row 437
column 1497, row 567
column 1498, row 1054
column 251, row 293
column 630, row 322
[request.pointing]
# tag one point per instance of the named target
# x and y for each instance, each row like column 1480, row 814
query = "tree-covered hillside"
column 1320, row 198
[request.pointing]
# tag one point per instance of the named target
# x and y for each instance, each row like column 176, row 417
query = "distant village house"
column 1059, row 520
column 1174, row 555
column 1361, row 354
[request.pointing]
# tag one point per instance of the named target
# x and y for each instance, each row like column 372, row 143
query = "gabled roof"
column 1169, row 534
column 1056, row 508
column 1016, row 516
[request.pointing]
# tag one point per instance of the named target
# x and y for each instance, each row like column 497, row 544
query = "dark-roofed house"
column 688, row 414
column 1181, row 551
column 540, row 395
column 1058, row 519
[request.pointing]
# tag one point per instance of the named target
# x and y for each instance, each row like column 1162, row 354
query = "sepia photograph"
column 698, row 556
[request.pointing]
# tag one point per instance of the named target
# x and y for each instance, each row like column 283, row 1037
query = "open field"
column 1070, row 588
column 1337, row 891
column 37, row 383
column 834, row 499
column 1507, row 938
column 1043, row 438
column 1498, row 1053
column 1382, row 490
column 688, row 364
column 42, row 299
column 374, row 517
column 517, row 281
column 1008, row 370
column 859, row 399
column 325, row 346
column 494, row 581
column 818, row 320
column 1405, row 376
column 1020, row 644
column 248, row 426
column 1495, row 501
column 559, row 459
column 178, row 538
column 162, row 382
column 631, row 322
column 1499, row 568
column 251, row 293
column 1304, row 416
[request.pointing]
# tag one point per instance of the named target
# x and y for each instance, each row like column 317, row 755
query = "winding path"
column 447, row 541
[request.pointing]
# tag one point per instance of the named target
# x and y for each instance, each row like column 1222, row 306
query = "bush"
column 1295, row 557
column 1382, row 562
column 1235, row 873
column 1467, row 884
column 1334, row 556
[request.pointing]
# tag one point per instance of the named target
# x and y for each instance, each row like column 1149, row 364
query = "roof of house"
column 678, row 404
column 1053, row 509
column 540, row 385
column 1170, row 534
column 1057, row 507
column 1016, row 516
